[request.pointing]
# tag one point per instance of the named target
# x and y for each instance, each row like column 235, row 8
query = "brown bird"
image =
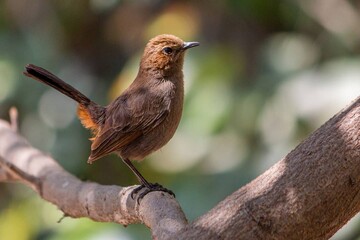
column 144, row 117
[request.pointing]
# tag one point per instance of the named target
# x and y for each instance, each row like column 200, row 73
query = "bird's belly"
column 155, row 139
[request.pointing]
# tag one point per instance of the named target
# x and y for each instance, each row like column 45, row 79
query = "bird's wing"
column 129, row 117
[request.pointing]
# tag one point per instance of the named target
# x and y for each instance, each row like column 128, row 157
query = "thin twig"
column 14, row 119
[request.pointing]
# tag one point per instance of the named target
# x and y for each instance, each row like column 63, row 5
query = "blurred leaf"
column 14, row 224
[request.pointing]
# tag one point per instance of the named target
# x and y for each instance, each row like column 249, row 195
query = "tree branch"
column 19, row 161
column 310, row 194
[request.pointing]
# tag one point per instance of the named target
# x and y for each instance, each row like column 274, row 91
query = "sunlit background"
column 266, row 75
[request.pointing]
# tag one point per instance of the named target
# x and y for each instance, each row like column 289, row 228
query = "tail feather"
column 89, row 113
column 50, row 79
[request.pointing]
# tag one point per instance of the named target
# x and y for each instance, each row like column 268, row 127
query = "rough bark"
column 309, row 194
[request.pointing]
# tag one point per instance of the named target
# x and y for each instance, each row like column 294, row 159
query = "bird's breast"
column 171, row 93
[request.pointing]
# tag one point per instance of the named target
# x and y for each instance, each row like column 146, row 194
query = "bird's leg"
column 138, row 175
column 150, row 187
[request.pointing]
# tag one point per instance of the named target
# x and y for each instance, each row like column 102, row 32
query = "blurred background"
column 266, row 75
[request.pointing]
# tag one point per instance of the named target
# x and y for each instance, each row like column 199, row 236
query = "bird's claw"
column 151, row 188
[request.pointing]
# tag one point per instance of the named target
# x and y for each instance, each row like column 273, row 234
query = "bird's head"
column 165, row 53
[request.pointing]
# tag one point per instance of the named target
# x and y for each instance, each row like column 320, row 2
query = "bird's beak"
column 188, row 45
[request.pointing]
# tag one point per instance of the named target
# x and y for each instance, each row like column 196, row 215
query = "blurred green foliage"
column 266, row 75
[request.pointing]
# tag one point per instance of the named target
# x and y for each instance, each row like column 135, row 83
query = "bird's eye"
column 167, row 50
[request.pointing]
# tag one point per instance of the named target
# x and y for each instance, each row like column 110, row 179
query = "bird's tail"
column 89, row 113
column 50, row 79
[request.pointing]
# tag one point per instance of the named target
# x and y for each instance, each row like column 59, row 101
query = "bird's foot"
column 151, row 187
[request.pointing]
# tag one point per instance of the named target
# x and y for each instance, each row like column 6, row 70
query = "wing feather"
column 128, row 118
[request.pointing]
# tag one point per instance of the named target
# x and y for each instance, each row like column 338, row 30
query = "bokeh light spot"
column 56, row 110
column 7, row 79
